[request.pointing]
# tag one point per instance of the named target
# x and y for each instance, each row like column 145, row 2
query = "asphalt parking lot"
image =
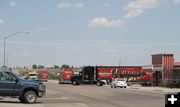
column 66, row 95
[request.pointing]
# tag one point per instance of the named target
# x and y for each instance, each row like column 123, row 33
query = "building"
column 176, row 71
column 163, row 65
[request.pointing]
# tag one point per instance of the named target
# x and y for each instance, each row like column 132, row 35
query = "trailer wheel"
column 74, row 83
column 98, row 83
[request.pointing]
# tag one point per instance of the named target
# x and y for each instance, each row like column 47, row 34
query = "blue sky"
column 89, row 32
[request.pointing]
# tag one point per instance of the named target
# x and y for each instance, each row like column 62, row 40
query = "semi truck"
column 66, row 74
column 37, row 75
column 43, row 76
column 100, row 75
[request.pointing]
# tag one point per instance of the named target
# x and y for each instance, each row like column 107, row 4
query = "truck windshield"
column 32, row 75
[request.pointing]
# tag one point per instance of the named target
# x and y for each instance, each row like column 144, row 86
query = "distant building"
column 163, row 65
column 176, row 71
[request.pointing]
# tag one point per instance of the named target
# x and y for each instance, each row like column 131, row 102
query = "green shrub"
column 164, row 85
column 52, row 77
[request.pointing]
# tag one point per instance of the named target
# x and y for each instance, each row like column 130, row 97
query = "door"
column 157, row 78
column 88, row 74
column 7, row 84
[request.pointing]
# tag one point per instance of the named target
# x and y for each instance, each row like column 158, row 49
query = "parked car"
column 26, row 91
column 119, row 82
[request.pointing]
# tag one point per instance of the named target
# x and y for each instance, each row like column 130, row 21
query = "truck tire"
column 98, row 83
column 74, row 83
column 21, row 100
column 30, row 97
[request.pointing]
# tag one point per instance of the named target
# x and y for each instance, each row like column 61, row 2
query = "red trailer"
column 38, row 75
column 65, row 75
column 43, row 76
column 131, row 73
column 104, row 73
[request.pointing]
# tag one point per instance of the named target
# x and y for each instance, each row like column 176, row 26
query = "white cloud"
column 104, row 41
column 66, row 5
column 106, row 5
column 105, row 22
column 134, row 13
column 176, row 1
column 172, row 2
column 137, row 7
column 2, row 22
column 13, row 3
column 78, row 5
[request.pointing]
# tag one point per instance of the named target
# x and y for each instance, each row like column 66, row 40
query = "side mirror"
column 16, row 80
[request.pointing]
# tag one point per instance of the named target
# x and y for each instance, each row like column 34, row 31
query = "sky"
column 88, row 32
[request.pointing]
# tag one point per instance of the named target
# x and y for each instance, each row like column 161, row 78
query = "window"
column 120, row 79
column 7, row 76
column 33, row 75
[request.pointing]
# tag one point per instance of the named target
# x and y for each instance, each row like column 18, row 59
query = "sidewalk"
column 53, row 81
column 155, row 89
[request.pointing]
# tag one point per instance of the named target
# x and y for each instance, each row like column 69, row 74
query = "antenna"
column 119, row 62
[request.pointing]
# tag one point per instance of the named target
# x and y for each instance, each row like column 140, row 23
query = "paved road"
column 91, row 96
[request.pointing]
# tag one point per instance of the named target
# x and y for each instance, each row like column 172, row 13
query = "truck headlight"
column 41, row 87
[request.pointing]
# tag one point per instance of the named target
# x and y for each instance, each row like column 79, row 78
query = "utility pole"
column 119, row 62
column 6, row 37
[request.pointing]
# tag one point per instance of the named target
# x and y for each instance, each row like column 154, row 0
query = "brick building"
column 162, row 67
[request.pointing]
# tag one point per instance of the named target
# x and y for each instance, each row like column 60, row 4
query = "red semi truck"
column 101, row 74
column 66, row 74
column 38, row 75
column 43, row 76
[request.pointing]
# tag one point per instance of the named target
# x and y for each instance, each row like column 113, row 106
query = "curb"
column 158, row 90
column 133, row 88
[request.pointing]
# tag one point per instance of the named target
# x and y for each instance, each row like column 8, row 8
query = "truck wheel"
column 21, row 100
column 74, row 82
column 30, row 97
column 98, row 83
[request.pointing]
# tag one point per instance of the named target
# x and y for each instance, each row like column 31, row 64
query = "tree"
column 34, row 66
column 40, row 67
column 56, row 67
column 65, row 66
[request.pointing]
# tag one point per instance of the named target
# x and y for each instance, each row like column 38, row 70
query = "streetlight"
column 7, row 59
column 6, row 37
